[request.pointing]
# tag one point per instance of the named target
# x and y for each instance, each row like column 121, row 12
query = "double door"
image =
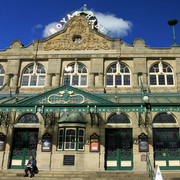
column 119, row 149
column 24, row 145
column 166, row 148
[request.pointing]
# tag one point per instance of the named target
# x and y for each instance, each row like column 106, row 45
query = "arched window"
column 119, row 119
column 75, row 75
column 118, row 75
column 161, row 74
column 164, row 118
column 34, row 75
column 2, row 74
column 28, row 118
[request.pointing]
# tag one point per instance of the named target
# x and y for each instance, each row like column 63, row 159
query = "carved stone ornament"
column 77, row 27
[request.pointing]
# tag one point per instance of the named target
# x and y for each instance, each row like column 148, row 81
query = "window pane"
column 127, row 80
column 83, row 80
column 60, row 139
column 169, row 79
column 1, row 80
column 118, row 80
column 25, row 80
column 66, row 80
column 33, row 80
column 41, row 81
column 109, row 80
column 2, row 70
column 40, row 69
column 81, row 69
column 81, row 132
column 153, row 80
column 75, row 80
column 161, row 80
column 29, row 70
column 112, row 69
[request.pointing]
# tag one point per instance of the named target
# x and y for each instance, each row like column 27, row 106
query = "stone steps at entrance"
column 76, row 175
column 13, row 174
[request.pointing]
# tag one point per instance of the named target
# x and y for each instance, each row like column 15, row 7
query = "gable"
column 78, row 26
column 65, row 95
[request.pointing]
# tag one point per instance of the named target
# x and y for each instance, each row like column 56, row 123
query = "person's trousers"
column 29, row 169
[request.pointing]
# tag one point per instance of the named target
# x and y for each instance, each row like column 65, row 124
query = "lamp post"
column 172, row 23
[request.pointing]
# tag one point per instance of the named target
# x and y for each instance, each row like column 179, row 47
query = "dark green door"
column 119, row 150
column 24, row 145
column 166, row 148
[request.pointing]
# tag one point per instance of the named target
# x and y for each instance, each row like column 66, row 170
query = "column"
column 91, row 80
column 48, row 82
column 56, row 82
column 135, row 79
column 101, row 80
column 7, row 79
column 15, row 81
column 144, row 80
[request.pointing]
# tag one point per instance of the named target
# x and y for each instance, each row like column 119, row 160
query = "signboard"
column 46, row 143
column 143, row 143
column 68, row 160
column 143, row 157
column 2, row 142
column 94, row 143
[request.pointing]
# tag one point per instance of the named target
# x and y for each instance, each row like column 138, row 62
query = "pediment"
column 65, row 95
column 78, row 26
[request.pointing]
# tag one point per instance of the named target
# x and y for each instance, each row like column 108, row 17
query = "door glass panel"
column 18, row 143
column 172, row 143
column 111, row 144
column 32, row 144
column 159, row 143
column 125, row 143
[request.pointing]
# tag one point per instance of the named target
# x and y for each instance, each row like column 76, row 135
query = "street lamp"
column 146, row 99
column 172, row 23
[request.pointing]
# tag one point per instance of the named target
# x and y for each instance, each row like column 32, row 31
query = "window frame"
column 118, row 73
column 77, row 129
column 33, row 74
column 160, row 73
column 76, row 73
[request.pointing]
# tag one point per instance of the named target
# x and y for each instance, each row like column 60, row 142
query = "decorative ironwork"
column 28, row 118
column 49, row 119
column 67, row 97
column 5, row 119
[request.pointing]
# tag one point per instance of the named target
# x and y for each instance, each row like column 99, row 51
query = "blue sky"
column 26, row 20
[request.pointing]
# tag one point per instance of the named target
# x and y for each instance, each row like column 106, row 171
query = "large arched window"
column 34, row 75
column 2, row 74
column 28, row 118
column 119, row 119
column 75, row 75
column 164, row 118
column 161, row 74
column 118, row 75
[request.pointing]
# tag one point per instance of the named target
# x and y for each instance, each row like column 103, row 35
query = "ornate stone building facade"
column 81, row 99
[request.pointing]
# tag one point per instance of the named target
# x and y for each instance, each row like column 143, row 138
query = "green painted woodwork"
column 166, row 146
column 119, row 148
column 24, row 145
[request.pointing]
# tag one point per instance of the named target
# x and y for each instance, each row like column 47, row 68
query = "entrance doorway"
column 166, row 148
column 24, row 145
column 119, row 149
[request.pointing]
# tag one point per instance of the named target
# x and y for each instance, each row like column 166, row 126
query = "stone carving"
column 77, row 27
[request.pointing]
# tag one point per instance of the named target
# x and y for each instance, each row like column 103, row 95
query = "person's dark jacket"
column 33, row 163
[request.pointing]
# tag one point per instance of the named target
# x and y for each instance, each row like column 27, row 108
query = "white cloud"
column 117, row 26
column 36, row 27
column 47, row 30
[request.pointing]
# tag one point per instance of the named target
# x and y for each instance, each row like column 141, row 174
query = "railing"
column 149, row 167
